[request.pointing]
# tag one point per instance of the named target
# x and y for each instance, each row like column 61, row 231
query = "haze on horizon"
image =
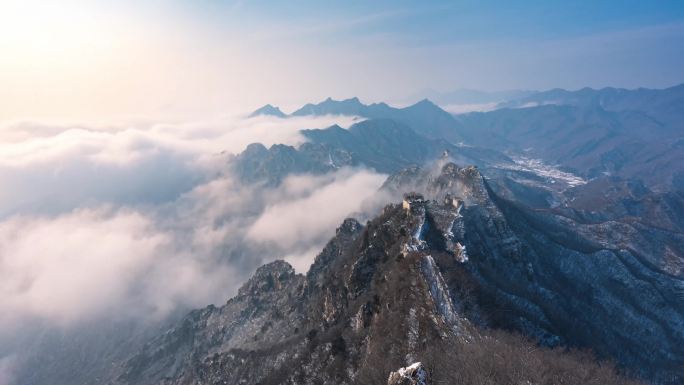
column 95, row 60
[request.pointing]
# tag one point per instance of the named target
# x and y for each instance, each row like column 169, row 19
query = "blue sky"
column 489, row 45
column 449, row 21
column 203, row 55
column 441, row 21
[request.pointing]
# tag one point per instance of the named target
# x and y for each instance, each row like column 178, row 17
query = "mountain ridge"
column 425, row 117
column 442, row 265
column 384, row 145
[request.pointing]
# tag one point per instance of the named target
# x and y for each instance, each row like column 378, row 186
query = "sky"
column 100, row 61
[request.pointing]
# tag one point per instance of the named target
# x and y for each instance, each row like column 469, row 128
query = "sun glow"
column 94, row 60
column 48, row 30
column 67, row 58
column 42, row 39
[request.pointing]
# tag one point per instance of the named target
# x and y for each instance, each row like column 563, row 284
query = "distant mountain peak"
column 353, row 100
column 425, row 103
column 268, row 110
column 330, row 106
column 335, row 127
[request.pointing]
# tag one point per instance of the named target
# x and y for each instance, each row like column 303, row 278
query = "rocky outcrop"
column 414, row 374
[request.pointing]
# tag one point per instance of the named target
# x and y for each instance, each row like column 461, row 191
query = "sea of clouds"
column 137, row 221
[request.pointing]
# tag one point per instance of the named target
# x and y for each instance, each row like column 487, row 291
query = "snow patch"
column 420, row 229
column 439, row 292
column 542, row 169
column 417, row 243
column 461, row 254
column 414, row 373
column 412, row 337
column 331, row 163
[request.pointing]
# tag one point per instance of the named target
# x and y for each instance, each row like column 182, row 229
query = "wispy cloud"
column 289, row 223
column 318, row 27
column 465, row 108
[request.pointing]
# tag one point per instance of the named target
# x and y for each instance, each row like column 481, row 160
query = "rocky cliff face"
column 432, row 280
column 610, row 286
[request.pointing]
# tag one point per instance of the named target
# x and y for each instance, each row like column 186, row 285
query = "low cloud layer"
column 466, row 108
column 56, row 168
column 138, row 222
column 76, row 264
